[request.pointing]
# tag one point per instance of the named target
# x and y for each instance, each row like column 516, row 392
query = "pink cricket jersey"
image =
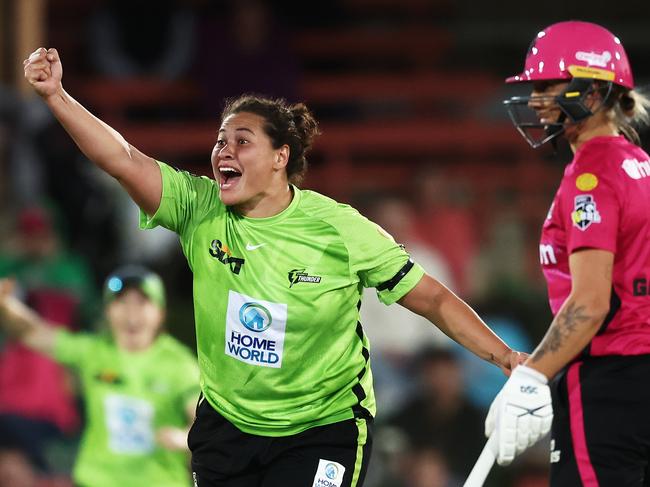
column 604, row 203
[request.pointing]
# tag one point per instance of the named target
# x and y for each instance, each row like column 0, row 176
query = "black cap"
column 138, row 277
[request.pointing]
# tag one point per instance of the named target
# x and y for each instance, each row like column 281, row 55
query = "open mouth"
column 228, row 177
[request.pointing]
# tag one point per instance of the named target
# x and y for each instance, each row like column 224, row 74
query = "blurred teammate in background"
column 596, row 259
column 38, row 406
column 139, row 384
column 278, row 278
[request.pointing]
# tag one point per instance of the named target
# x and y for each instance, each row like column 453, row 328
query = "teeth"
column 227, row 169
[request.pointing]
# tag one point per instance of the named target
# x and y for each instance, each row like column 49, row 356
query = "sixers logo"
column 585, row 212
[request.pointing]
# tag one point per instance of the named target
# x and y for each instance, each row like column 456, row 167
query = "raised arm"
column 23, row 324
column 432, row 300
column 137, row 173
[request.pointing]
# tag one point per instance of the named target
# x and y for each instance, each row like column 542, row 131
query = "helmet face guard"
column 570, row 105
column 575, row 52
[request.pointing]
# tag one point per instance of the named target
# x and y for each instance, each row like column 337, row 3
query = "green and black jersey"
column 128, row 396
column 277, row 300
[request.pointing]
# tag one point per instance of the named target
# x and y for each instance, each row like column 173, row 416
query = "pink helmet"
column 575, row 49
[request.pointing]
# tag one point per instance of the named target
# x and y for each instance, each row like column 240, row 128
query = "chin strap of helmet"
column 572, row 99
column 555, row 130
column 571, row 102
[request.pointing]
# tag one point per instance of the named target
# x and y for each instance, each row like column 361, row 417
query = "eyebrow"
column 239, row 129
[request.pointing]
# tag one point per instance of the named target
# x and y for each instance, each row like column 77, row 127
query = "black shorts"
column 334, row 455
column 601, row 426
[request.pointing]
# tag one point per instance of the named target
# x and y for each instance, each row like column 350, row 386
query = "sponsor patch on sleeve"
column 586, row 181
column 585, row 212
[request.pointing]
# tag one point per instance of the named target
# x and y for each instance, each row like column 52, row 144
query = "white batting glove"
column 520, row 414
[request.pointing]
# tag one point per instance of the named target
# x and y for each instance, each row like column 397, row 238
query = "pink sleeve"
column 590, row 210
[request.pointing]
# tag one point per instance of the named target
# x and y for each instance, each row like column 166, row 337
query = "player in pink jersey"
column 595, row 255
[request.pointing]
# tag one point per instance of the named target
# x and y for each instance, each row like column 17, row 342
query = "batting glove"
column 520, row 414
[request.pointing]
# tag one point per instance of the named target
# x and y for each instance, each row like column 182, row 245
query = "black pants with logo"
column 334, row 455
column 601, row 425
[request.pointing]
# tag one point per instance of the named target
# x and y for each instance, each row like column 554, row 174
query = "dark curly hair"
column 290, row 124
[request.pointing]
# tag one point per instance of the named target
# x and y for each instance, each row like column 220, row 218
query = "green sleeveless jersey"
column 276, row 303
column 127, row 397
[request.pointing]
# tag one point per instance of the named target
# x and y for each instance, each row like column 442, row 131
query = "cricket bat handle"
column 483, row 464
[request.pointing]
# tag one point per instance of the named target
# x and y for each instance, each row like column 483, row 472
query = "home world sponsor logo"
column 255, row 317
column 255, row 330
column 331, row 471
column 328, row 474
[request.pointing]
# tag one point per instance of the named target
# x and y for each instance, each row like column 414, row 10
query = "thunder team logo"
column 299, row 275
column 255, row 317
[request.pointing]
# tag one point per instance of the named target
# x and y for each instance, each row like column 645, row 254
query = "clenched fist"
column 44, row 71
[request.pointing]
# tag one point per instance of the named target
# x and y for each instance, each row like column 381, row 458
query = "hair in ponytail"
column 630, row 111
column 290, row 124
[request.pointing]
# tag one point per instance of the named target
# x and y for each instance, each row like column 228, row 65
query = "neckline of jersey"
column 284, row 214
column 599, row 138
column 145, row 354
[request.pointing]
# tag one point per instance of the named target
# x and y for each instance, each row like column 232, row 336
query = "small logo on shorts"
column 331, row 471
column 555, row 454
column 328, row 474
column 196, row 483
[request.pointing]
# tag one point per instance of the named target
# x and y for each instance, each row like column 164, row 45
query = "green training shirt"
column 276, row 303
column 127, row 397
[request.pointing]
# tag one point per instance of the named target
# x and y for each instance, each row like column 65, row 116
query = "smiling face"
column 134, row 320
column 598, row 121
column 245, row 164
column 542, row 100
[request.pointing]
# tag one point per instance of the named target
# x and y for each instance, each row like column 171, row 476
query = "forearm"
column 17, row 319
column 98, row 141
column 24, row 325
column 458, row 321
column 138, row 173
column 570, row 332
column 173, row 438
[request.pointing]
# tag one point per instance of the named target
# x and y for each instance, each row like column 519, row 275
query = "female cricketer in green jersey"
column 278, row 275
column 139, row 385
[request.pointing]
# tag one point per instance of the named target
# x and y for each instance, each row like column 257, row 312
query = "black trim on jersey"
column 394, row 281
column 614, row 307
column 358, row 410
